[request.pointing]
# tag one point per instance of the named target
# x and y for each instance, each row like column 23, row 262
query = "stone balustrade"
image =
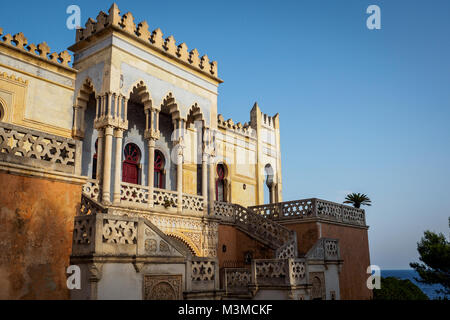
column 309, row 208
column 92, row 189
column 279, row 272
column 193, row 202
column 325, row 249
column 23, row 146
column 203, row 274
column 134, row 193
column 136, row 196
column 236, row 280
column 265, row 230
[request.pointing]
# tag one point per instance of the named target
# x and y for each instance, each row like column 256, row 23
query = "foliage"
column 397, row 289
column 434, row 251
column 358, row 199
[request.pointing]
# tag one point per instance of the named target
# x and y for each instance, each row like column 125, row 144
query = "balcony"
column 312, row 208
column 136, row 197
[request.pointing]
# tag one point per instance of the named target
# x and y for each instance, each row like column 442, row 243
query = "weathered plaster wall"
column 354, row 250
column 354, row 245
column 307, row 235
column 36, row 224
column 238, row 243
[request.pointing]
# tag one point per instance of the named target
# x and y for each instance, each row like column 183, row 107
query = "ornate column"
column 212, row 184
column 101, row 135
column 151, row 170
column 179, row 145
column 151, row 134
column 118, row 134
column 208, row 159
column 205, row 179
column 106, row 195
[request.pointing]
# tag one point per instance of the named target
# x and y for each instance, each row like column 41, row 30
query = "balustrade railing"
column 92, row 189
column 266, row 230
column 273, row 272
column 134, row 193
column 236, row 280
column 307, row 208
column 37, row 149
column 325, row 249
column 165, row 198
column 193, row 202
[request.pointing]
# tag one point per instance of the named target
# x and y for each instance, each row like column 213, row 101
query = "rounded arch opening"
column 185, row 243
column 159, row 170
column 268, row 184
column 221, row 182
column 131, row 164
column 2, row 111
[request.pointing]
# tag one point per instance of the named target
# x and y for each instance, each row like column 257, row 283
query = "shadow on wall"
column 36, row 225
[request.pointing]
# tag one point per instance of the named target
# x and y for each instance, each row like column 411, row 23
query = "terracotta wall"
column 354, row 249
column 354, row 244
column 238, row 243
column 36, row 225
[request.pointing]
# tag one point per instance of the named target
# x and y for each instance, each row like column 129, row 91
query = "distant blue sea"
column 429, row 290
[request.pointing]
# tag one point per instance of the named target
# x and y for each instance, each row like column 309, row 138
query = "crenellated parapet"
column 42, row 50
column 155, row 39
column 243, row 129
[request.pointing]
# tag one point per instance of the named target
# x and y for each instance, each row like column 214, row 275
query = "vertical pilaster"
column 101, row 137
column 106, row 195
column 211, row 185
column 151, row 170
column 205, row 179
column 118, row 134
column 180, row 176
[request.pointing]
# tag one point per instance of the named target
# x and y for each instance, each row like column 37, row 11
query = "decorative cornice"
column 41, row 51
column 245, row 129
column 154, row 39
column 5, row 76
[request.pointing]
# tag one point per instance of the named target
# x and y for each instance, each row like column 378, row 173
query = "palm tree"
column 358, row 199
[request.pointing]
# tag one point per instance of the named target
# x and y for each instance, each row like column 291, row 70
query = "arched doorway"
column 130, row 169
column 94, row 161
column 160, row 162
column 221, row 183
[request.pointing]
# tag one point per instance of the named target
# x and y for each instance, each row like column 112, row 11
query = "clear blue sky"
column 361, row 111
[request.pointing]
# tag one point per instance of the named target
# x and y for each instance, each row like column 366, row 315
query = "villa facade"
column 121, row 164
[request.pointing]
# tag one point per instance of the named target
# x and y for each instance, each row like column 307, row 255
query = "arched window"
column 2, row 111
column 221, row 183
column 130, row 169
column 160, row 162
column 268, row 192
column 94, row 161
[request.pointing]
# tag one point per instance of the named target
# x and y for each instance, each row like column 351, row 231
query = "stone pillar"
column 151, row 170
column 212, row 185
column 109, row 130
column 101, row 135
column 118, row 134
column 205, row 179
column 180, row 175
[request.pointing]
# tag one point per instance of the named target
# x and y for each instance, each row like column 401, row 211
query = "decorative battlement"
column 42, row 50
column 154, row 39
column 245, row 129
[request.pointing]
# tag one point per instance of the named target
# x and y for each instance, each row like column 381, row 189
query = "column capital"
column 152, row 134
column 109, row 130
column 151, row 143
column 118, row 132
